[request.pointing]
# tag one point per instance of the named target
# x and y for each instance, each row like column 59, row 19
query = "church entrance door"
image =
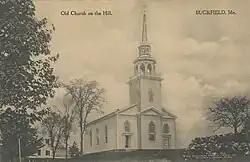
column 166, row 141
column 127, row 141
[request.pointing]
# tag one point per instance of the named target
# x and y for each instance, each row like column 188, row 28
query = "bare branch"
column 53, row 126
column 87, row 97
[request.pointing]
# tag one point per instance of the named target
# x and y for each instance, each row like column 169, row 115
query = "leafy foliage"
column 74, row 150
column 26, row 75
column 87, row 97
column 15, row 125
column 230, row 112
column 219, row 145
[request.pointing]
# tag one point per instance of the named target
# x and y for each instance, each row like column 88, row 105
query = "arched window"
column 142, row 68
column 151, row 130
column 150, row 96
column 165, row 128
column 97, row 137
column 90, row 137
column 126, row 126
column 106, row 134
column 149, row 68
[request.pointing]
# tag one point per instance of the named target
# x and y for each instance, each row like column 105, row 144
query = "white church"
column 145, row 123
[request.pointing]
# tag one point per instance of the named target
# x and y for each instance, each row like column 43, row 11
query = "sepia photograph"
column 124, row 81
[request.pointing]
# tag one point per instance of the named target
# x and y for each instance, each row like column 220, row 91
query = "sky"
column 201, row 58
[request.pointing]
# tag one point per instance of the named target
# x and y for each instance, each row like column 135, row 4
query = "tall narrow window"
column 126, row 126
column 97, row 137
column 90, row 138
column 142, row 68
column 150, row 96
column 165, row 128
column 106, row 134
column 151, row 129
column 39, row 153
column 149, row 68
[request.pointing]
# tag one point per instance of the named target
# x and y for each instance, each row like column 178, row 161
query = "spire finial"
column 144, row 25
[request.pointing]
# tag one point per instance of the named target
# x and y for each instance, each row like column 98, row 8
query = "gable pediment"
column 151, row 111
column 132, row 110
column 155, row 112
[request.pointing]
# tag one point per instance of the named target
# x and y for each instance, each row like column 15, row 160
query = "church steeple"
column 144, row 63
column 144, row 28
column 144, row 48
column 145, row 83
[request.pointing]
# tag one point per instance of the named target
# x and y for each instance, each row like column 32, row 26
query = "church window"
column 165, row 128
column 142, row 68
column 39, row 153
column 97, row 137
column 90, row 138
column 150, row 96
column 151, row 128
column 149, row 68
column 106, row 134
column 126, row 126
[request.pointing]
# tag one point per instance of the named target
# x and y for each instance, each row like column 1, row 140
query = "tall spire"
column 144, row 26
column 144, row 47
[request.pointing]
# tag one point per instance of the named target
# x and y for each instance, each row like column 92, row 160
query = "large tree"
column 26, row 75
column 52, row 126
column 14, row 125
column 87, row 97
column 231, row 112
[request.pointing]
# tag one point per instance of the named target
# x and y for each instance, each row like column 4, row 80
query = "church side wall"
column 133, row 127
column 146, row 143
column 111, row 143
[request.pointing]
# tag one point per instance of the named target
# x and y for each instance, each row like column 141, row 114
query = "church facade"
column 145, row 124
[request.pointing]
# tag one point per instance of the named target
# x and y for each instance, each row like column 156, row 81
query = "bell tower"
column 145, row 84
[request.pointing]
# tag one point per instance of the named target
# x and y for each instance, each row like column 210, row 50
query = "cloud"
column 201, row 57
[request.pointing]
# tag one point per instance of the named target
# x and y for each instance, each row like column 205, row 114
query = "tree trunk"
column 66, row 151
column 235, row 129
column 53, row 154
column 81, row 132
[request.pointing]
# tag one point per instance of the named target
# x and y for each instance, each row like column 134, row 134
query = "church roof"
column 166, row 111
column 117, row 111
